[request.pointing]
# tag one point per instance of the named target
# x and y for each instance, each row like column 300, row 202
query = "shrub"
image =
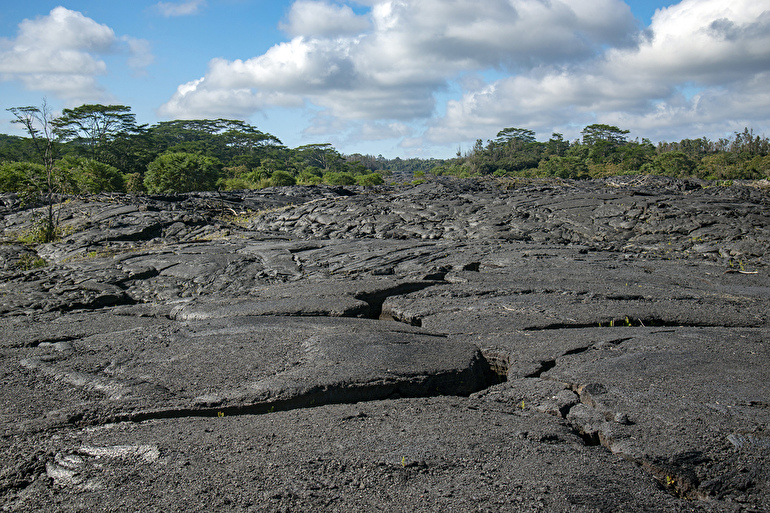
column 673, row 163
column 759, row 166
column 280, row 178
column 20, row 176
column 333, row 178
column 182, row 172
column 371, row 179
column 88, row 175
column 309, row 176
column 134, row 183
column 563, row 167
column 719, row 166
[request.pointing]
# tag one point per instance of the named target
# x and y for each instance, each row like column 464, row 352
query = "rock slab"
column 452, row 345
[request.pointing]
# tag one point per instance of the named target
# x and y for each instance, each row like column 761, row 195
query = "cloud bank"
column 559, row 65
column 61, row 53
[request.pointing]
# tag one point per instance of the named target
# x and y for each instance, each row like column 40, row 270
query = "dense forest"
column 98, row 148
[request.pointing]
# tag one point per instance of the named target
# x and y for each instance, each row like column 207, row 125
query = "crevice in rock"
column 590, row 439
column 677, row 480
column 499, row 364
column 671, row 475
column 377, row 299
column 484, row 372
column 545, row 366
column 622, row 322
column 97, row 303
column 578, row 350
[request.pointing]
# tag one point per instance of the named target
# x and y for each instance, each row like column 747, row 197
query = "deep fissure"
column 487, row 372
column 376, row 300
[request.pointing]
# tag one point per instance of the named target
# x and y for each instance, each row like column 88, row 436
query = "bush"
column 332, row 178
column 720, row 166
column 563, row 167
column 87, row 175
column 134, row 183
column 309, row 176
column 673, row 163
column 234, row 184
column 182, row 172
column 758, row 166
column 280, row 178
column 371, row 179
column 20, row 176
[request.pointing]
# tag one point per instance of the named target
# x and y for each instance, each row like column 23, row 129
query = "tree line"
column 605, row 150
column 98, row 148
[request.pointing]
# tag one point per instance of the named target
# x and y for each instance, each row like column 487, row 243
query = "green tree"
column 231, row 141
column 16, row 149
column 134, row 183
column 759, row 166
column 606, row 133
column 322, row 156
column 747, row 145
column 673, row 163
column 132, row 151
column 182, row 172
column 520, row 135
column 719, row 166
column 93, row 126
column 556, row 145
column 563, row 167
column 310, row 176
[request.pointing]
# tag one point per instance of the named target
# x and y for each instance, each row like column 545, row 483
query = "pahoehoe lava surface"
column 455, row 345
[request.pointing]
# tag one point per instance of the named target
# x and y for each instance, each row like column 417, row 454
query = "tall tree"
column 39, row 124
column 231, row 141
column 595, row 133
column 321, row 156
column 522, row 135
column 95, row 125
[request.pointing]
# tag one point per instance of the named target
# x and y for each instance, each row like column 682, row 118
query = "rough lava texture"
column 450, row 346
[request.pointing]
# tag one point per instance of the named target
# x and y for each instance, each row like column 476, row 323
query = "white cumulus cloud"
column 60, row 53
column 696, row 71
column 390, row 62
column 320, row 19
column 558, row 65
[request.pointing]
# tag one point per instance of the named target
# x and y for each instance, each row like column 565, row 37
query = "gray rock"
column 454, row 345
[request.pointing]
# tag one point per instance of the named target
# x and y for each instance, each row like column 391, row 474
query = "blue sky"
column 399, row 77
